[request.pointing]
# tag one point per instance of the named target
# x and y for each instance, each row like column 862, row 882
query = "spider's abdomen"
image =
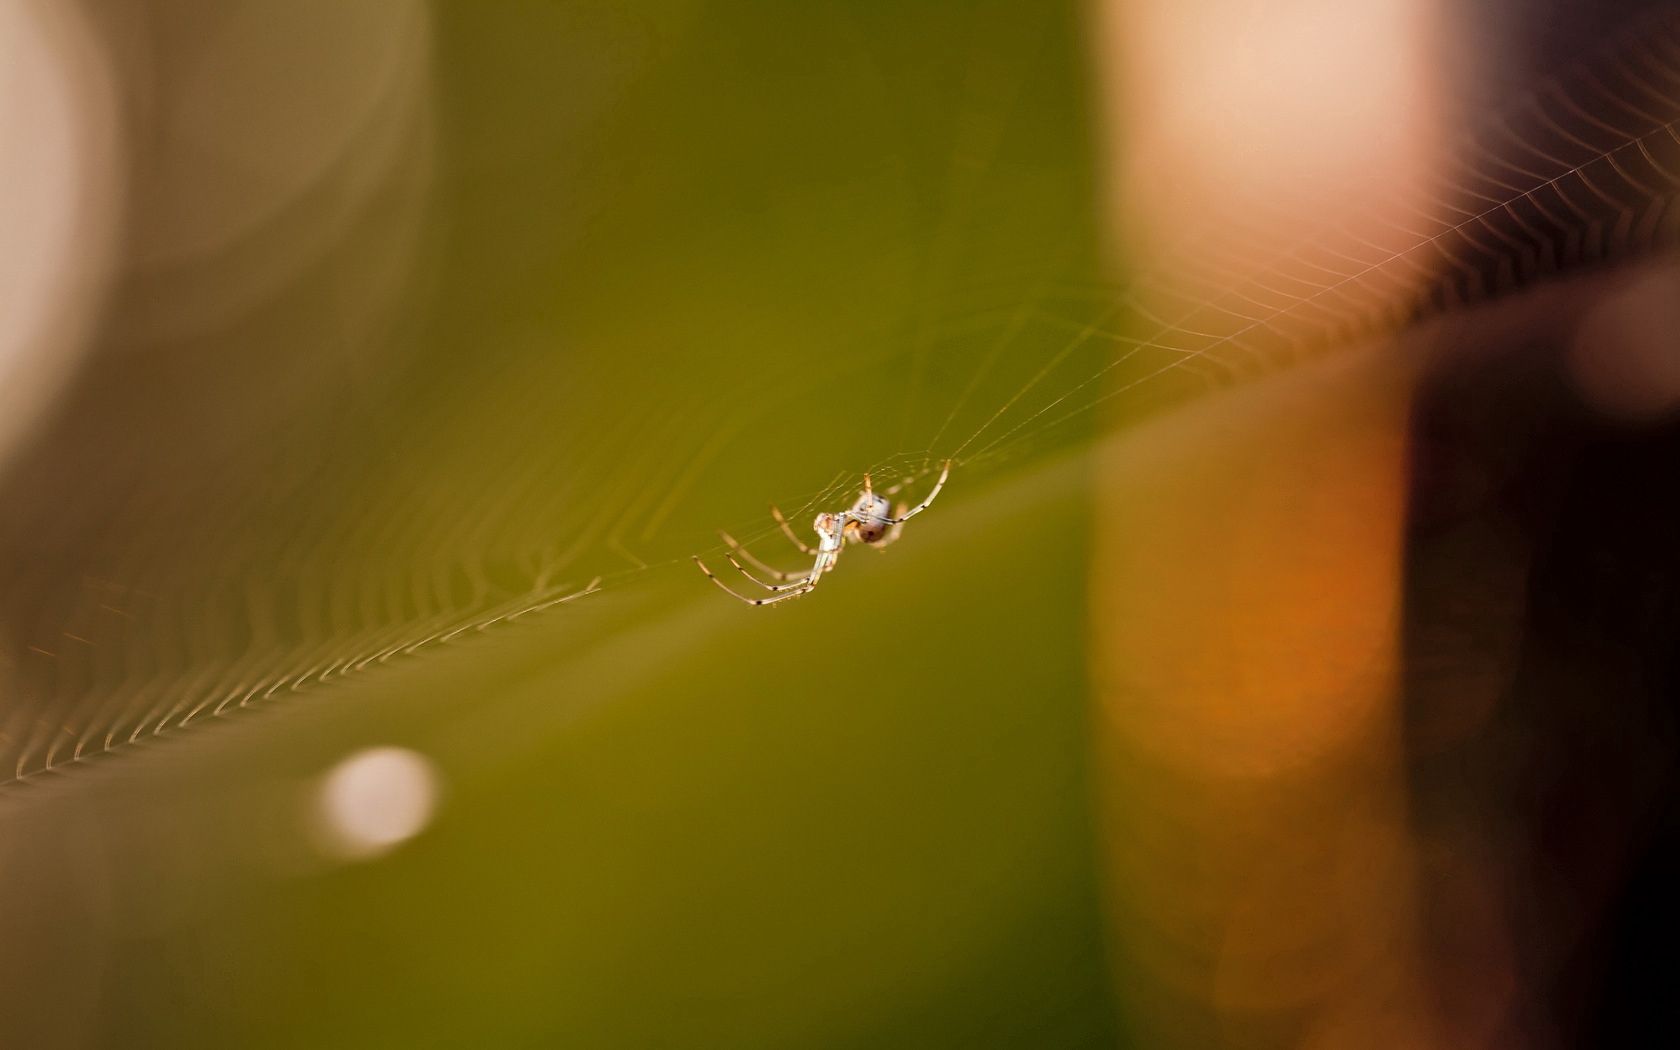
column 871, row 531
column 871, row 518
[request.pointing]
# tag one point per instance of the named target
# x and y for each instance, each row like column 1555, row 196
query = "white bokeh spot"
column 375, row 799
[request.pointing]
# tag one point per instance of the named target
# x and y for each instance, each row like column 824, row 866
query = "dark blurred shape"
column 1543, row 693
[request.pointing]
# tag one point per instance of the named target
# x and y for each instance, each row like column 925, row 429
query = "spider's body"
column 870, row 520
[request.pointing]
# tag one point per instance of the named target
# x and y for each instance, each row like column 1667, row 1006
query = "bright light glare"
column 375, row 799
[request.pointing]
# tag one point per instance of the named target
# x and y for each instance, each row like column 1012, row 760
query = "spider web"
column 155, row 589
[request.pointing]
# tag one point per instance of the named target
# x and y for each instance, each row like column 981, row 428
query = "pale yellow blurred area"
column 1247, row 580
column 59, row 149
column 1276, row 118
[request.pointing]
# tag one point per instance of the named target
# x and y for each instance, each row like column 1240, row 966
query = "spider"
column 867, row 521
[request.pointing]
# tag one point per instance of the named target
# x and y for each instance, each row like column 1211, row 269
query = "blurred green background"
column 567, row 287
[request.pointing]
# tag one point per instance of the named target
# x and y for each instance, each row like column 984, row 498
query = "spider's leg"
column 931, row 496
column 898, row 486
column 903, row 483
column 787, row 530
column 743, row 598
column 789, row 596
column 759, row 563
column 803, row 580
